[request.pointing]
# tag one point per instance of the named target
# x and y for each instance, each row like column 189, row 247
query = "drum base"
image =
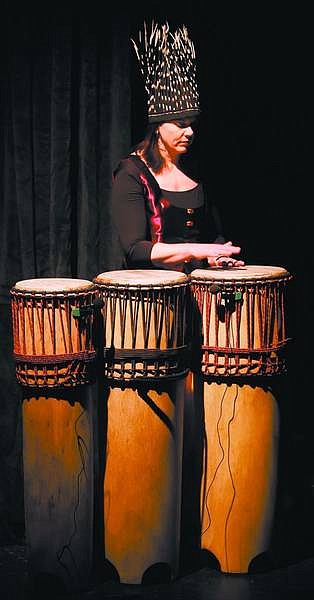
column 60, row 485
column 240, row 473
column 143, row 481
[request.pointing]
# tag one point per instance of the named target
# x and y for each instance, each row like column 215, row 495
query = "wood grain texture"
column 240, row 472
column 143, row 478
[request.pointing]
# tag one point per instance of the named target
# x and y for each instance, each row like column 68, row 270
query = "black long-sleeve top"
column 144, row 214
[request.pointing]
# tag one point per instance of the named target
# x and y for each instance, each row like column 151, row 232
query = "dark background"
column 72, row 102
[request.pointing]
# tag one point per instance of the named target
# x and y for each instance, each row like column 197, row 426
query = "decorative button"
column 190, row 211
column 189, row 223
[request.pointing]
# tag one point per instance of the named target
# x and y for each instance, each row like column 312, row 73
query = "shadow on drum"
column 144, row 391
column 192, row 471
column 68, row 395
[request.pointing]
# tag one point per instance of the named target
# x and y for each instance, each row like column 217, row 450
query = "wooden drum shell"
column 142, row 485
column 239, row 481
column 240, row 319
column 55, row 364
column 145, row 327
column 60, row 462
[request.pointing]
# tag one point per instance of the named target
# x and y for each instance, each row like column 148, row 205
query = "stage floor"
column 292, row 582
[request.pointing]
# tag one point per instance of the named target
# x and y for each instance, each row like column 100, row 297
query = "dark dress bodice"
column 183, row 215
column 144, row 214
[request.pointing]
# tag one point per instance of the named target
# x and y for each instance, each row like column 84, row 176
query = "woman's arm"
column 171, row 255
column 130, row 219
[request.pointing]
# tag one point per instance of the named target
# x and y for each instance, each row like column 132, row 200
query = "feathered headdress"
column 168, row 65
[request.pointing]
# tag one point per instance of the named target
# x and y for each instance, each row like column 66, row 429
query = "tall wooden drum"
column 55, row 364
column 145, row 345
column 240, row 313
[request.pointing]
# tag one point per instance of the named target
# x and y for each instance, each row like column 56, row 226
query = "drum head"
column 53, row 285
column 141, row 278
column 245, row 273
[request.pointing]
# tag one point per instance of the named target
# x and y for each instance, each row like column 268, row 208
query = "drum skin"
column 145, row 406
column 239, row 472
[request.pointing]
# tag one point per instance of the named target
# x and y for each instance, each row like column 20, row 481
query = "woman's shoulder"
column 131, row 163
column 132, row 170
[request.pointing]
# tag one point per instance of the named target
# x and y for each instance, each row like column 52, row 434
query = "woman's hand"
column 224, row 259
column 225, row 262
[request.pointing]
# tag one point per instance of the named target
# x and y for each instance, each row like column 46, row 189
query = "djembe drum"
column 241, row 317
column 55, row 364
column 145, row 346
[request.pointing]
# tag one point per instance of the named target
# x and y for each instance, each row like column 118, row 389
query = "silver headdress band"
column 168, row 65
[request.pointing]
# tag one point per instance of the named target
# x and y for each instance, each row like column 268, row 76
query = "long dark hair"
column 148, row 147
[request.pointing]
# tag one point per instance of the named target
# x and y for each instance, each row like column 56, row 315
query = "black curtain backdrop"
column 72, row 102
column 65, row 120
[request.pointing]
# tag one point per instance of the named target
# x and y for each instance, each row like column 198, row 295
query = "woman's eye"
column 184, row 125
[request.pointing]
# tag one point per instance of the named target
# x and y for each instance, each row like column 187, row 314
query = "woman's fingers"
column 224, row 261
column 227, row 249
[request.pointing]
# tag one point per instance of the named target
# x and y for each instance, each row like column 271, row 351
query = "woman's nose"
column 189, row 131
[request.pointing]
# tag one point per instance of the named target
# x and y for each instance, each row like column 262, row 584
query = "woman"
column 160, row 212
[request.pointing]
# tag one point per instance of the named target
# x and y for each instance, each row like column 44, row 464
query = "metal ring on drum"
column 54, row 351
column 145, row 355
column 240, row 313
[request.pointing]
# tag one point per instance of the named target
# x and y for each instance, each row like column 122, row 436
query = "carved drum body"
column 241, row 318
column 55, row 364
column 145, row 346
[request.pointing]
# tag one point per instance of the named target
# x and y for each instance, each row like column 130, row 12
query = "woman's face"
column 176, row 136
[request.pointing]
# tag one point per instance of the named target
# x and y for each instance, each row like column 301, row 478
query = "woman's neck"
column 169, row 166
column 170, row 161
